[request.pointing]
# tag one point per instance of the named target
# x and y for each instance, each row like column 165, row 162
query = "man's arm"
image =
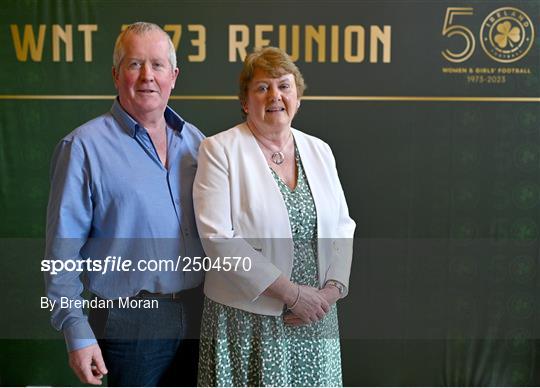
column 69, row 219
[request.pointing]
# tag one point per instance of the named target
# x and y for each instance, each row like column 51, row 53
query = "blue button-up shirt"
column 112, row 196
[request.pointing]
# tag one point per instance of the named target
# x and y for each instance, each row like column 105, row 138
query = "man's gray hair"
column 140, row 28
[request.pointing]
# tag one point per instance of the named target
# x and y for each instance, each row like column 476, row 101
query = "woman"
column 270, row 193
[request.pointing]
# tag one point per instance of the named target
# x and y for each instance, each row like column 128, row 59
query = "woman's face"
column 271, row 102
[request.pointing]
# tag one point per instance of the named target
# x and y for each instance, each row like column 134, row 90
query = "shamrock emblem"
column 507, row 35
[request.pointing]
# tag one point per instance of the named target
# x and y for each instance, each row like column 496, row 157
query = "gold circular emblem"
column 507, row 34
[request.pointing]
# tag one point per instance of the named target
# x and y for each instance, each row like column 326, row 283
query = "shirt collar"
column 131, row 126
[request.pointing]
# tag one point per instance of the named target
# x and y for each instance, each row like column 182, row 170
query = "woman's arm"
column 212, row 200
column 342, row 237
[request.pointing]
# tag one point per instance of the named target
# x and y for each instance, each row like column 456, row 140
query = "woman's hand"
column 329, row 293
column 311, row 305
column 290, row 319
column 308, row 303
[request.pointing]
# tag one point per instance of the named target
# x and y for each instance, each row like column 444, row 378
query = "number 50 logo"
column 506, row 35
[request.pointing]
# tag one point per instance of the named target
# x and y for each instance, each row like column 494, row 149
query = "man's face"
column 145, row 78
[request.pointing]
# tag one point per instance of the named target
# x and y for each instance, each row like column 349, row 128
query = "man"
column 121, row 190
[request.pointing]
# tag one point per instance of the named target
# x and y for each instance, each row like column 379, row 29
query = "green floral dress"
column 239, row 348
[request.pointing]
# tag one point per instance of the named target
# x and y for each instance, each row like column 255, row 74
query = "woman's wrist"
column 332, row 293
column 338, row 286
column 292, row 305
column 283, row 289
column 291, row 294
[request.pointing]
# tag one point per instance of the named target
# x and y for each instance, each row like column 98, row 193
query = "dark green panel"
column 446, row 194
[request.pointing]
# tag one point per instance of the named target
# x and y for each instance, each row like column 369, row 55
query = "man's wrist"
column 79, row 336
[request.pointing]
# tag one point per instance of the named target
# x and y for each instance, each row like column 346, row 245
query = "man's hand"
column 88, row 364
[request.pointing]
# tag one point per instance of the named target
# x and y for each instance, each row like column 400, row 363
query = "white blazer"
column 240, row 212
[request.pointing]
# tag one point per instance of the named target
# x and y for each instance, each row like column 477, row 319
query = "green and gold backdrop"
column 432, row 109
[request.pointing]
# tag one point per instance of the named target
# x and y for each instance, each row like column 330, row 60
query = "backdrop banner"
column 431, row 108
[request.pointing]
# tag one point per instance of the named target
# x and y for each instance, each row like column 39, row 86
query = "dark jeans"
column 151, row 346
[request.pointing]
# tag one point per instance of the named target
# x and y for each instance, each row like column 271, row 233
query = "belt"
column 153, row 295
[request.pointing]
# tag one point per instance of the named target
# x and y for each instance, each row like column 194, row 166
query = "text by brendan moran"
column 97, row 303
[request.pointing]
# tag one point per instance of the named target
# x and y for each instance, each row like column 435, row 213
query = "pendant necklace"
column 278, row 157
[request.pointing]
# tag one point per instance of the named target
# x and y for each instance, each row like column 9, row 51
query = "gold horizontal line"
column 222, row 98
column 53, row 97
column 421, row 98
column 307, row 98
